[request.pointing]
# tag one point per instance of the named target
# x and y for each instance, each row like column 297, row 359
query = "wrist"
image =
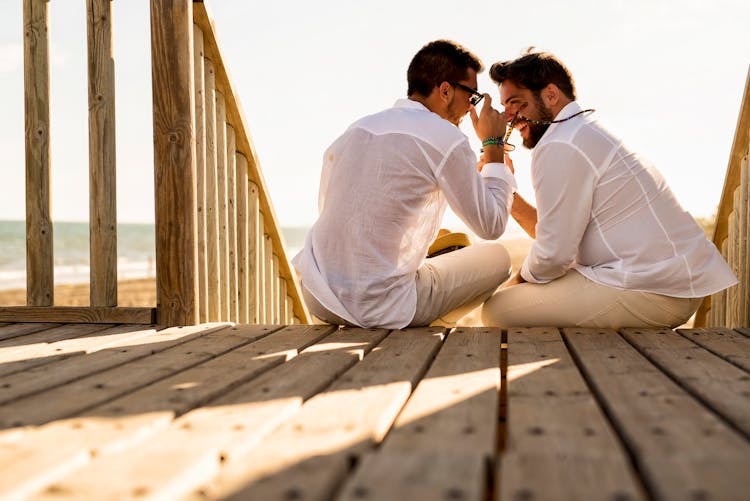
column 493, row 140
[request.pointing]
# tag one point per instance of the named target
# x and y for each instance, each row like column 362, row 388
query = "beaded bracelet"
column 498, row 140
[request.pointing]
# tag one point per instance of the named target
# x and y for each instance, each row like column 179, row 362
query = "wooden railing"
column 219, row 252
column 731, row 307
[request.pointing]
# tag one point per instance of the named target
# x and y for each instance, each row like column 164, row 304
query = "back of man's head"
column 535, row 70
column 437, row 62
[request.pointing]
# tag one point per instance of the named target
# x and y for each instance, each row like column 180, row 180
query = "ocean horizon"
column 135, row 250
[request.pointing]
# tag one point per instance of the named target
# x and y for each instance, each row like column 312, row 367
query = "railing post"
column 102, row 167
column 39, row 255
column 174, row 161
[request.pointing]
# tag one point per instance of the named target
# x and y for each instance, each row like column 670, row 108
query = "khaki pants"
column 448, row 286
column 575, row 301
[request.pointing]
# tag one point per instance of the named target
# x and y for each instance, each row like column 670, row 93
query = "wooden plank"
column 20, row 329
column 556, row 430
column 283, row 312
column 723, row 387
column 221, row 183
column 308, row 455
column 232, row 222
column 744, row 234
column 726, row 343
column 43, row 347
column 681, row 450
column 743, row 331
column 276, row 291
column 172, row 461
column 116, row 351
column 78, row 314
column 263, row 313
column 245, row 146
column 39, row 253
column 102, row 157
column 212, row 198
column 243, row 261
column 254, row 253
column 270, row 278
column 174, row 162
column 732, row 299
column 77, row 396
column 446, row 433
column 200, row 169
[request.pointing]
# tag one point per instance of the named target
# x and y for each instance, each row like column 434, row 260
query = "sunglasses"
column 475, row 96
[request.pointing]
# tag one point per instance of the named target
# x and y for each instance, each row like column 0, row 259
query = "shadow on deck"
column 314, row 412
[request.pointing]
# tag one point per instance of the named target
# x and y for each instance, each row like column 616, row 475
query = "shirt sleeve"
column 564, row 180
column 481, row 201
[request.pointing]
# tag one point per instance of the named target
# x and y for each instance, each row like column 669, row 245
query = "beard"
column 536, row 131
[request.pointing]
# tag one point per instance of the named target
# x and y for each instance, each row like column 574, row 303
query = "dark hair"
column 437, row 62
column 534, row 70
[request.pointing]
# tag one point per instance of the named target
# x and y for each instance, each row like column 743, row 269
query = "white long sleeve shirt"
column 385, row 185
column 606, row 212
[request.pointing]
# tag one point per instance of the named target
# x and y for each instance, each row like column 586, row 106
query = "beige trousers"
column 448, row 286
column 575, row 301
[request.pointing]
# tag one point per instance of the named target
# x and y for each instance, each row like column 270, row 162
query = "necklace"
column 548, row 122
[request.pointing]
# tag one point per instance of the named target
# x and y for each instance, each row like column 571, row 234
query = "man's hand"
column 489, row 123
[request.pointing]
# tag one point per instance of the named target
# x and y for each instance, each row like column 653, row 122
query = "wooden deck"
column 311, row 412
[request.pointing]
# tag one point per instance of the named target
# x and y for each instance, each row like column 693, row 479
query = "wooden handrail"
column 735, row 300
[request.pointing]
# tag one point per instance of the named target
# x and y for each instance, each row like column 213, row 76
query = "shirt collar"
column 568, row 110
column 410, row 104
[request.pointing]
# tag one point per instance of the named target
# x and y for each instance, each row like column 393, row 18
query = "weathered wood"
column 119, row 350
column 200, row 169
column 254, row 254
column 21, row 329
column 559, row 444
column 39, row 253
column 82, row 314
column 221, row 183
column 270, row 278
column 441, row 441
column 263, row 313
column 720, row 385
column 726, row 343
column 213, row 262
column 243, row 258
column 174, row 161
column 96, row 389
column 308, row 455
column 43, row 347
column 102, row 158
column 732, row 299
column 283, row 312
column 744, row 235
column 232, row 222
column 245, row 146
column 276, row 290
column 176, row 459
column 681, row 451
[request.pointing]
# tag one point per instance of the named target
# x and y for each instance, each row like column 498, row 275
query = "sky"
column 666, row 76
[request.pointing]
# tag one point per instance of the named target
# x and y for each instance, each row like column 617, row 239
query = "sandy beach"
column 142, row 292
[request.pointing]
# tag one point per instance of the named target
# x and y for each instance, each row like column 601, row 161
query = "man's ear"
column 551, row 95
column 444, row 90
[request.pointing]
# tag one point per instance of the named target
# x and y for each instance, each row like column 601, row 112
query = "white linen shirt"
column 608, row 213
column 385, row 185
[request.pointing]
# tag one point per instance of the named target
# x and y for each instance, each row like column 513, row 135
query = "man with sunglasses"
column 613, row 247
column 385, row 185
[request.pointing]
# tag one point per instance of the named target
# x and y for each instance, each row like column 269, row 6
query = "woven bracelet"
column 498, row 140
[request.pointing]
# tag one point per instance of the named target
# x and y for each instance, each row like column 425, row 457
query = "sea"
column 135, row 251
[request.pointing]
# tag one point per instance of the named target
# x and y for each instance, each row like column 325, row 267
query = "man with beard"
column 613, row 247
column 385, row 185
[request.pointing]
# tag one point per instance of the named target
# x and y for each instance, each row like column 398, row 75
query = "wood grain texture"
column 73, row 314
column 200, row 171
column 243, row 258
column 555, row 429
column 39, row 249
column 726, row 343
column 681, row 450
column 254, row 254
column 174, row 162
column 223, row 203
column 102, row 157
column 213, row 262
column 232, row 222
column 439, row 445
